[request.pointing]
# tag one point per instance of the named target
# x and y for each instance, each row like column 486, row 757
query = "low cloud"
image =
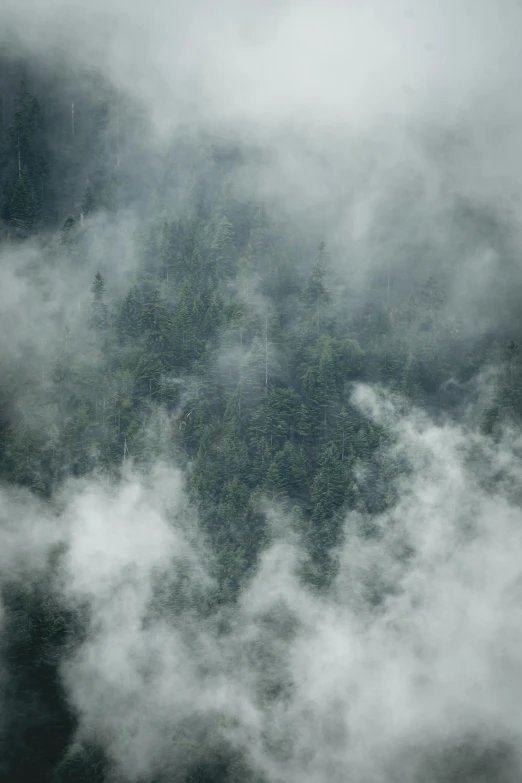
column 411, row 658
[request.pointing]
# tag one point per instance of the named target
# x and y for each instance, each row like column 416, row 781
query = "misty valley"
column 260, row 393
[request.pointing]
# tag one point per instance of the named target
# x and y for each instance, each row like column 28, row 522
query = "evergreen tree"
column 223, row 251
column 287, row 476
column 316, row 295
column 156, row 328
column 28, row 165
column 99, row 312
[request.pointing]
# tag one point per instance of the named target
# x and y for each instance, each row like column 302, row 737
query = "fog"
column 280, row 62
column 375, row 121
column 411, row 654
column 394, row 132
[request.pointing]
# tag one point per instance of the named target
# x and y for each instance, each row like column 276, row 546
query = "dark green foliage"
column 99, row 318
column 36, row 630
column 27, row 166
column 287, row 476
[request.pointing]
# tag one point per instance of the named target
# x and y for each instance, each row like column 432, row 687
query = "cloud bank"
column 408, row 666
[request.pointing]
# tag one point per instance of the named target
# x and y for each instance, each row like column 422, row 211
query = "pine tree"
column 328, row 494
column 223, row 251
column 99, row 312
column 287, row 476
column 156, row 359
column 28, row 167
column 130, row 317
column 68, row 231
column 22, row 209
column 316, row 295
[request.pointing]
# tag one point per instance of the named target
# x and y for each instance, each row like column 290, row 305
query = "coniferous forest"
column 261, row 510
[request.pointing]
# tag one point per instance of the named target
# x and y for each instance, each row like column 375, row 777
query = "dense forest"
column 160, row 312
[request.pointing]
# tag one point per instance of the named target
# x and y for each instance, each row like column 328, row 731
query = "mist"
column 410, row 658
column 260, row 421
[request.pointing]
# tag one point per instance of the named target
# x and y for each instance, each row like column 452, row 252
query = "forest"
column 216, row 383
